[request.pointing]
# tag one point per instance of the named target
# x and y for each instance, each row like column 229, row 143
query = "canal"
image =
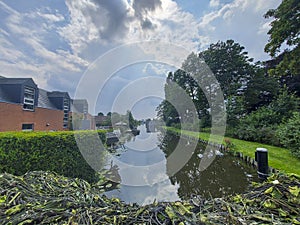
column 143, row 164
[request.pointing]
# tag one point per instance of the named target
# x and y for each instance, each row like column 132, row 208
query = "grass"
column 279, row 158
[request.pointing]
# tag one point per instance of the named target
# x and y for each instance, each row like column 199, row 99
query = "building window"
column 66, row 112
column 27, row 127
column 29, row 94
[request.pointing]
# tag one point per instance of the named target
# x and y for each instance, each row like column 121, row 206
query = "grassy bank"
column 279, row 158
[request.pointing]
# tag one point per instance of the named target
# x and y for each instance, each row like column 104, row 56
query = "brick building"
column 23, row 106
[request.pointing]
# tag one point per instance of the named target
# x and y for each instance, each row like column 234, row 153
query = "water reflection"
column 142, row 168
column 226, row 175
column 146, row 168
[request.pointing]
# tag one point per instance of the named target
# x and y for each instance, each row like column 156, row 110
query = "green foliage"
column 284, row 27
column 230, row 64
column 285, row 30
column 47, row 198
column 260, row 91
column 260, row 125
column 132, row 122
column 289, row 134
column 53, row 151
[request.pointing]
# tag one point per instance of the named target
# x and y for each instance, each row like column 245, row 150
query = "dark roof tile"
column 43, row 100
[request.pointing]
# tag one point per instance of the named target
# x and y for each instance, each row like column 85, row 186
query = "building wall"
column 12, row 116
column 77, row 121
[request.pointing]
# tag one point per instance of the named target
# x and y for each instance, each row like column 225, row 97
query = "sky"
column 58, row 43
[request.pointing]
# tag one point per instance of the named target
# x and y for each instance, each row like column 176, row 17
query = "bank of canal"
column 279, row 158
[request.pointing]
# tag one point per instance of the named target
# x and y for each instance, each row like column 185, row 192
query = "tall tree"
column 285, row 28
column 285, row 32
column 230, row 64
column 260, row 90
column 234, row 70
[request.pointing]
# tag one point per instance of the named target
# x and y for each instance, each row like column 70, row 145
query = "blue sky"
column 56, row 41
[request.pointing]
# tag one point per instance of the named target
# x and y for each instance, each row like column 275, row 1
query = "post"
column 261, row 157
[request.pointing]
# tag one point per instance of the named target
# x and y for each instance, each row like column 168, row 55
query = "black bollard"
column 261, row 157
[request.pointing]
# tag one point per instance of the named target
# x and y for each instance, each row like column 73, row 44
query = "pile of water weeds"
column 48, row 198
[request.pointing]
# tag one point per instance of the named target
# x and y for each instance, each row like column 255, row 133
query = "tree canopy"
column 285, row 32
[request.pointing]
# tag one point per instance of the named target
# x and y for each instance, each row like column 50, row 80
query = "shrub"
column 289, row 134
column 21, row 152
column 259, row 126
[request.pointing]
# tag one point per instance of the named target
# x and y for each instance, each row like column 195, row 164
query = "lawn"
column 279, row 158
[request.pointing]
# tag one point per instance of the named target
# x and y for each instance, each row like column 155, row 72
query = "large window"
column 29, row 94
column 66, row 112
column 27, row 127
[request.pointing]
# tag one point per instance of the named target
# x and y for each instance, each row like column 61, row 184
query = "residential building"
column 24, row 106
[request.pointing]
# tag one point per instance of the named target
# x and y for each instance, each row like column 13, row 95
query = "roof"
column 44, row 97
column 43, row 100
column 4, row 97
column 79, row 101
column 55, row 94
column 5, row 80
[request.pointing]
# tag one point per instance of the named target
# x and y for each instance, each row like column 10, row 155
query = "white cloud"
column 47, row 44
column 90, row 25
column 153, row 69
column 214, row 3
column 242, row 21
column 264, row 28
column 80, row 31
column 26, row 50
column 51, row 17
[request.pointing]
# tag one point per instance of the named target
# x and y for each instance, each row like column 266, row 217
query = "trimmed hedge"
column 21, row 152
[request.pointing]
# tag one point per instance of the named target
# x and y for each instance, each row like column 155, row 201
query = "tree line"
column 261, row 98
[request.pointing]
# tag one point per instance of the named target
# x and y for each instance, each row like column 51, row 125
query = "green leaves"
column 284, row 27
column 49, row 151
column 294, row 190
column 48, row 198
column 289, row 133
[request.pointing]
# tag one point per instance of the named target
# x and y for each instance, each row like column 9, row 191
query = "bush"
column 289, row 134
column 21, row 152
column 259, row 126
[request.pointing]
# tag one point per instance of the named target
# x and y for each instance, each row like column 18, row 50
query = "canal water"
column 143, row 165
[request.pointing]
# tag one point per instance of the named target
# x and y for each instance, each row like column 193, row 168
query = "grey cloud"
column 111, row 18
column 147, row 24
column 142, row 8
column 146, row 5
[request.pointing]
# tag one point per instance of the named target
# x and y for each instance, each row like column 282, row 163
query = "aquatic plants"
column 48, row 198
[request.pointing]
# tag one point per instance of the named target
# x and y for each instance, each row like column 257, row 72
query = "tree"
column 230, row 64
column 260, row 90
column 100, row 114
column 168, row 113
column 285, row 28
column 234, row 70
column 285, row 31
column 132, row 122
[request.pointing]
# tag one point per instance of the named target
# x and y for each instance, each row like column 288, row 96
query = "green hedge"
column 21, row 152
